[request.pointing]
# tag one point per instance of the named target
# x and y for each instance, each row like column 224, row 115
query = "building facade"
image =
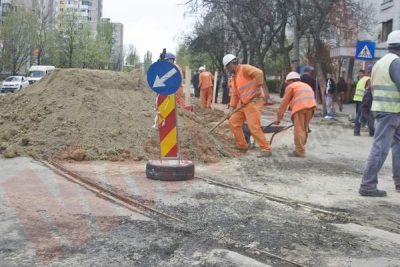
column 389, row 19
column 88, row 11
column 117, row 53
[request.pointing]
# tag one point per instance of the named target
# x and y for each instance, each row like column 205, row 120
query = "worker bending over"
column 300, row 97
column 247, row 96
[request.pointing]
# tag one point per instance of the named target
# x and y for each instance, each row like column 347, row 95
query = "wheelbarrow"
column 270, row 128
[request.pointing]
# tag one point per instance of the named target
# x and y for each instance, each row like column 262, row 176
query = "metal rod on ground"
column 62, row 170
column 214, row 90
column 187, row 86
column 227, row 117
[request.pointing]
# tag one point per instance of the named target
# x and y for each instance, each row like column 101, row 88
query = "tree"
column 132, row 56
column 18, row 35
column 45, row 19
column 104, row 43
column 68, row 38
column 147, row 61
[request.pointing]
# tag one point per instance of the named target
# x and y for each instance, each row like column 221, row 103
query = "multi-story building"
column 117, row 55
column 389, row 18
column 88, row 11
column 117, row 49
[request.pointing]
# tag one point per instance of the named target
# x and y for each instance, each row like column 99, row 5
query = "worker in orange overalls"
column 206, row 87
column 171, row 58
column 300, row 97
column 246, row 89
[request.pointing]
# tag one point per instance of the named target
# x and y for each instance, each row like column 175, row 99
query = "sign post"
column 165, row 79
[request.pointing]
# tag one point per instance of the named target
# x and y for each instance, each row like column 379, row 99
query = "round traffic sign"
column 164, row 77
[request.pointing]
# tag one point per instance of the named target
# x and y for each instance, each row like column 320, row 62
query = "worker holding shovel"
column 300, row 97
column 246, row 103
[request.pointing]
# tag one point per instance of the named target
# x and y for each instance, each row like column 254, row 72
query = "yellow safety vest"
column 360, row 89
column 386, row 95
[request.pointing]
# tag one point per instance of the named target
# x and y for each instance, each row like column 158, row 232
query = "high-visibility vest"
column 386, row 95
column 360, row 89
column 205, row 80
column 303, row 97
column 244, row 87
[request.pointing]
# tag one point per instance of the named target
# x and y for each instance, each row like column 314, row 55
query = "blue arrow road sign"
column 164, row 77
column 365, row 50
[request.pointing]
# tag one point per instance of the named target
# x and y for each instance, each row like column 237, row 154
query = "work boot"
column 373, row 193
column 264, row 154
column 241, row 149
column 295, row 154
column 356, row 134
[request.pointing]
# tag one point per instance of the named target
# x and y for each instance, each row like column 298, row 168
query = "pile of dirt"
column 98, row 115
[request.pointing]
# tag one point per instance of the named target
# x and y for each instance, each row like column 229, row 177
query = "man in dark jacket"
column 341, row 92
column 366, row 116
column 195, row 82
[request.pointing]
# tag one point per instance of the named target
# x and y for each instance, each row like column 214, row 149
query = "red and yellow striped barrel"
column 167, row 124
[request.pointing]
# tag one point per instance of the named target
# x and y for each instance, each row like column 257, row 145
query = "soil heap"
column 99, row 115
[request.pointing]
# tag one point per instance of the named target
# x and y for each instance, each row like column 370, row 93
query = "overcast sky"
column 149, row 24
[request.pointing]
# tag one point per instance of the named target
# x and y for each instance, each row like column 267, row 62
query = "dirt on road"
column 98, row 115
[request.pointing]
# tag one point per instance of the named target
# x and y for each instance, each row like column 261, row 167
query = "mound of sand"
column 99, row 115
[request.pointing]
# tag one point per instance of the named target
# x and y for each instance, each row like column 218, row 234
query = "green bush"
column 273, row 85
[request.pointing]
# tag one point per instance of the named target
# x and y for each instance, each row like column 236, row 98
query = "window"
column 386, row 1
column 387, row 27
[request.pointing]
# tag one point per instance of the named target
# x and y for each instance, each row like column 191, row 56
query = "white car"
column 14, row 83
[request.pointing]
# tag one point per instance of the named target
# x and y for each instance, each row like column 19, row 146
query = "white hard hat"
column 201, row 68
column 292, row 75
column 227, row 59
column 393, row 37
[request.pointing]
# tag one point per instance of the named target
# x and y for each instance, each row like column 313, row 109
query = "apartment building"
column 88, row 11
column 389, row 18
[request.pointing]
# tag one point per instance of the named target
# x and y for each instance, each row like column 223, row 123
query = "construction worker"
column 171, row 58
column 247, row 96
column 358, row 96
column 206, row 87
column 366, row 104
column 362, row 85
column 300, row 97
column 385, row 83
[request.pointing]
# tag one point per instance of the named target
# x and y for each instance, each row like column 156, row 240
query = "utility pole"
column 296, row 41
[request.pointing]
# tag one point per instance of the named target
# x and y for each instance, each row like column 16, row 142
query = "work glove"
column 276, row 122
column 257, row 92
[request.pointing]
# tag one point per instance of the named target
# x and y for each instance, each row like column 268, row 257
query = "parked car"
column 36, row 73
column 14, row 83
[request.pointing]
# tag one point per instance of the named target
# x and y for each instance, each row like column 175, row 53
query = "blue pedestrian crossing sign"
column 164, row 78
column 365, row 50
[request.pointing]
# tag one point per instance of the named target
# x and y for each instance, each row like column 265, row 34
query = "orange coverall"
column 206, row 88
column 245, row 80
column 180, row 89
column 300, row 97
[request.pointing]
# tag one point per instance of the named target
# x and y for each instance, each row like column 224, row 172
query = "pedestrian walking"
column 385, row 84
column 206, row 87
column 247, row 96
column 329, row 92
column 299, row 96
column 341, row 92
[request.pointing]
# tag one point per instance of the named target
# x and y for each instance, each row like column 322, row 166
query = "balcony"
column 387, row 4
